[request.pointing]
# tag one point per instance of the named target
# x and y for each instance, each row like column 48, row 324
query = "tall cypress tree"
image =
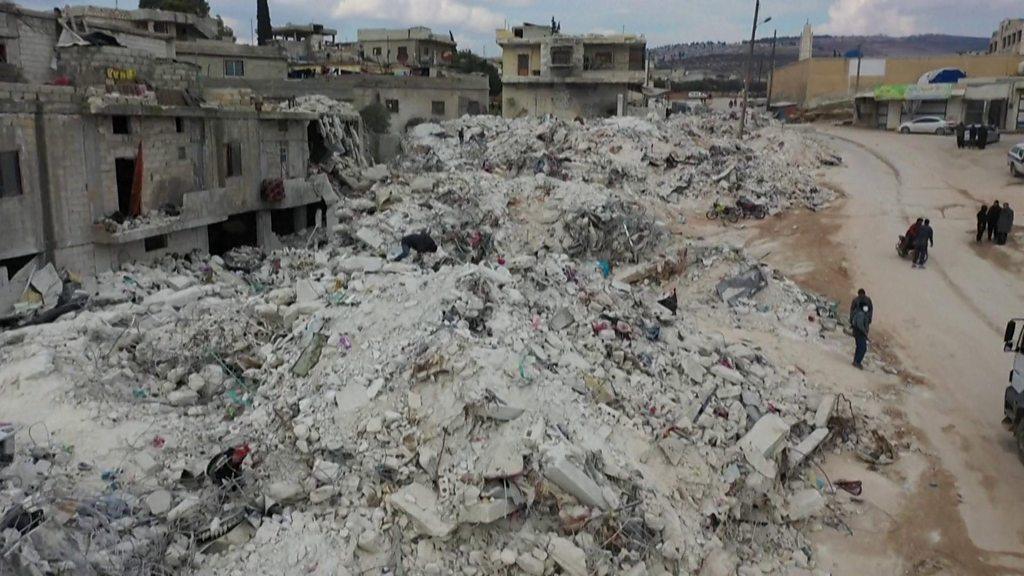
column 264, row 32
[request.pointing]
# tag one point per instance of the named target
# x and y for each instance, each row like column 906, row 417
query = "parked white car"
column 926, row 125
column 1016, row 159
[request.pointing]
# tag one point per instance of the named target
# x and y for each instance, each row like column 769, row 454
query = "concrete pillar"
column 620, row 105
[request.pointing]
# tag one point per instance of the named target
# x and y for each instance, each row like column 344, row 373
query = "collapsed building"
column 567, row 386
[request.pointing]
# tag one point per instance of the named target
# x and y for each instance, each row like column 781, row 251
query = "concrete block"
column 419, row 503
column 568, row 556
column 727, row 374
column 804, row 504
column 572, row 479
column 486, row 512
column 762, row 443
column 824, row 411
column 808, row 445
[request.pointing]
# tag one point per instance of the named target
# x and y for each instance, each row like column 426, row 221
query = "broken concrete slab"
column 572, row 479
column 561, row 319
column 365, row 264
column 485, row 512
column 568, row 556
column 743, row 285
column 15, row 287
column 419, row 503
column 824, row 411
column 762, row 443
column 499, row 412
column 728, row 374
column 284, row 491
column 47, row 282
column 159, row 502
column 183, row 397
column 805, row 504
column 800, row 452
column 502, row 459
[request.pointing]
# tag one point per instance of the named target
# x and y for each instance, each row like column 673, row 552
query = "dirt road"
column 958, row 508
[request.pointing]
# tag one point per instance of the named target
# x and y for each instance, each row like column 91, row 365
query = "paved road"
column 945, row 323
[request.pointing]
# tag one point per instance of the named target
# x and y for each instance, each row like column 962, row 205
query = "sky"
column 661, row 21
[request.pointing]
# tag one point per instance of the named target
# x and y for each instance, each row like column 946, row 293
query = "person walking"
column 421, row 242
column 982, row 221
column 1005, row 224
column 993, row 219
column 960, row 134
column 860, row 325
column 972, row 136
column 861, row 301
column 924, row 237
column 982, row 137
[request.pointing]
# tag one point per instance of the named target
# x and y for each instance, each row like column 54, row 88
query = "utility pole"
column 771, row 73
column 750, row 70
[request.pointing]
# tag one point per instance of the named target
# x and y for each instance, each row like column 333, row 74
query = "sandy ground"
column 954, row 504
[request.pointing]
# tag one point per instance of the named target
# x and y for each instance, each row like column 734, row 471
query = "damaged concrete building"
column 547, row 72
column 416, row 48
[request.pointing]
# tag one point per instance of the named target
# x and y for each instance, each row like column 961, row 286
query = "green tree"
column 264, row 32
column 376, row 118
column 468, row 63
column 198, row 7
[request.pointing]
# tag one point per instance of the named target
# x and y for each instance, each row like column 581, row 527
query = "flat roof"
column 311, row 28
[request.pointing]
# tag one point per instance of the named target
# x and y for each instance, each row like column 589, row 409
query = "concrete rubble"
column 507, row 403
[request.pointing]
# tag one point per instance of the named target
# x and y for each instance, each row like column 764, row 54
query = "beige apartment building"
column 1008, row 38
column 547, row 72
column 416, row 47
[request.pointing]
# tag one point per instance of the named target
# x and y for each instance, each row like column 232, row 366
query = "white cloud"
column 908, row 17
column 448, row 13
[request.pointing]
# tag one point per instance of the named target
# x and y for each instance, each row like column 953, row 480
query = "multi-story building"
column 305, row 42
column 547, row 72
column 414, row 48
column 1009, row 38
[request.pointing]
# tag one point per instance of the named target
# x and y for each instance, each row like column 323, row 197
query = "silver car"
column 926, row 125
column 1015, row 158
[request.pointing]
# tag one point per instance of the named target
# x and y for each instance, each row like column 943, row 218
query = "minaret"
column 807, row 42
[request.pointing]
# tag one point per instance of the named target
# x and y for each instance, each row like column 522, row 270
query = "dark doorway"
column 125, row 173
column 282, row 222
column 311, row 210
column 237, row 230
column 318, row 151
column 15, row 264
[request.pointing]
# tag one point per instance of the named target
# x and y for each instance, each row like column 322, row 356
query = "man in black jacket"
column 993, row 219
column 861, row 301
column 925, row 237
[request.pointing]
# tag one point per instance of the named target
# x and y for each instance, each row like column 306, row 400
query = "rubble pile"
column 560, row 389
column 691, row 156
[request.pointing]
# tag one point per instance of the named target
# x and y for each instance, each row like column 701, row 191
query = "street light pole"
column 750, row 70
column 771, row 74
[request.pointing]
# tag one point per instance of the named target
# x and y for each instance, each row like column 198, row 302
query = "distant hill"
column 728, row 58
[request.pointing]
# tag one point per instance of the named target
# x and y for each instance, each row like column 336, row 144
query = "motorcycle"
column 719, row 210
column 903, row 248
column 749, row 208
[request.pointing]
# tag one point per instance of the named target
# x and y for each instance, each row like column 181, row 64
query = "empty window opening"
column 154, row 243
column 437, row 107
column 124, row 169
column 311, row 211
column 376, row 51
column 237, row 230
column 403, row 54
column 15, row 264
column 10, row 175
column 392, row 105
column 3, row 52
column 120, row 125
column 232, row 159
column 318, row 150
column 179, row 124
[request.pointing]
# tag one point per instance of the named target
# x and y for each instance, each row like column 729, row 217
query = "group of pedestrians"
column 973, row 136
column 996, row 220
column 919, row 238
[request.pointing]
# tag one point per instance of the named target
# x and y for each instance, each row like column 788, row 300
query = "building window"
column 523, row 65
column 10, row 175
column 561, row 55
column 637, row 57
column 179, row 124
column 403, row 54
column 233, row 159
column 154, row 243
column 160, row 27
column 391, row 105
column 284, row 160
column 473, row 107
column 182, row 153
column 120, row 125
column 376, row 51
column 234, row 68
column 3, row 52
column 437, row 107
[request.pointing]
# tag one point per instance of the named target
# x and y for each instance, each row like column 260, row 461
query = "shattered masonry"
column 528, row 396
